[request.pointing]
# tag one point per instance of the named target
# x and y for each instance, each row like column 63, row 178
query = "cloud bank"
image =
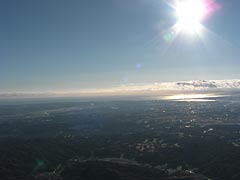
column 137, row 89
column 188, row 85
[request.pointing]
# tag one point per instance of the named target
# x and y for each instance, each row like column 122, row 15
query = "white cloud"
column 186, row 85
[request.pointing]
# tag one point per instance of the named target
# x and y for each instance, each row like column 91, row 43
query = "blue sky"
column 72, row 44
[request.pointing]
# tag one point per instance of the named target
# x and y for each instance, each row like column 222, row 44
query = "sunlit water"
column 192, row 97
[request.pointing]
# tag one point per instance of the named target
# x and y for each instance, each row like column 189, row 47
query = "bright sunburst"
column 190, row 13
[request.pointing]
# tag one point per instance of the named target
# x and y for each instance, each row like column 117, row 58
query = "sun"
column 190, row 13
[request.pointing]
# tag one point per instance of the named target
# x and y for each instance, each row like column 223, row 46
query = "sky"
column 63, row 45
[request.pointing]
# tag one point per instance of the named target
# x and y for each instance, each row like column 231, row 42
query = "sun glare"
column 193, row 97
column 190, row 13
